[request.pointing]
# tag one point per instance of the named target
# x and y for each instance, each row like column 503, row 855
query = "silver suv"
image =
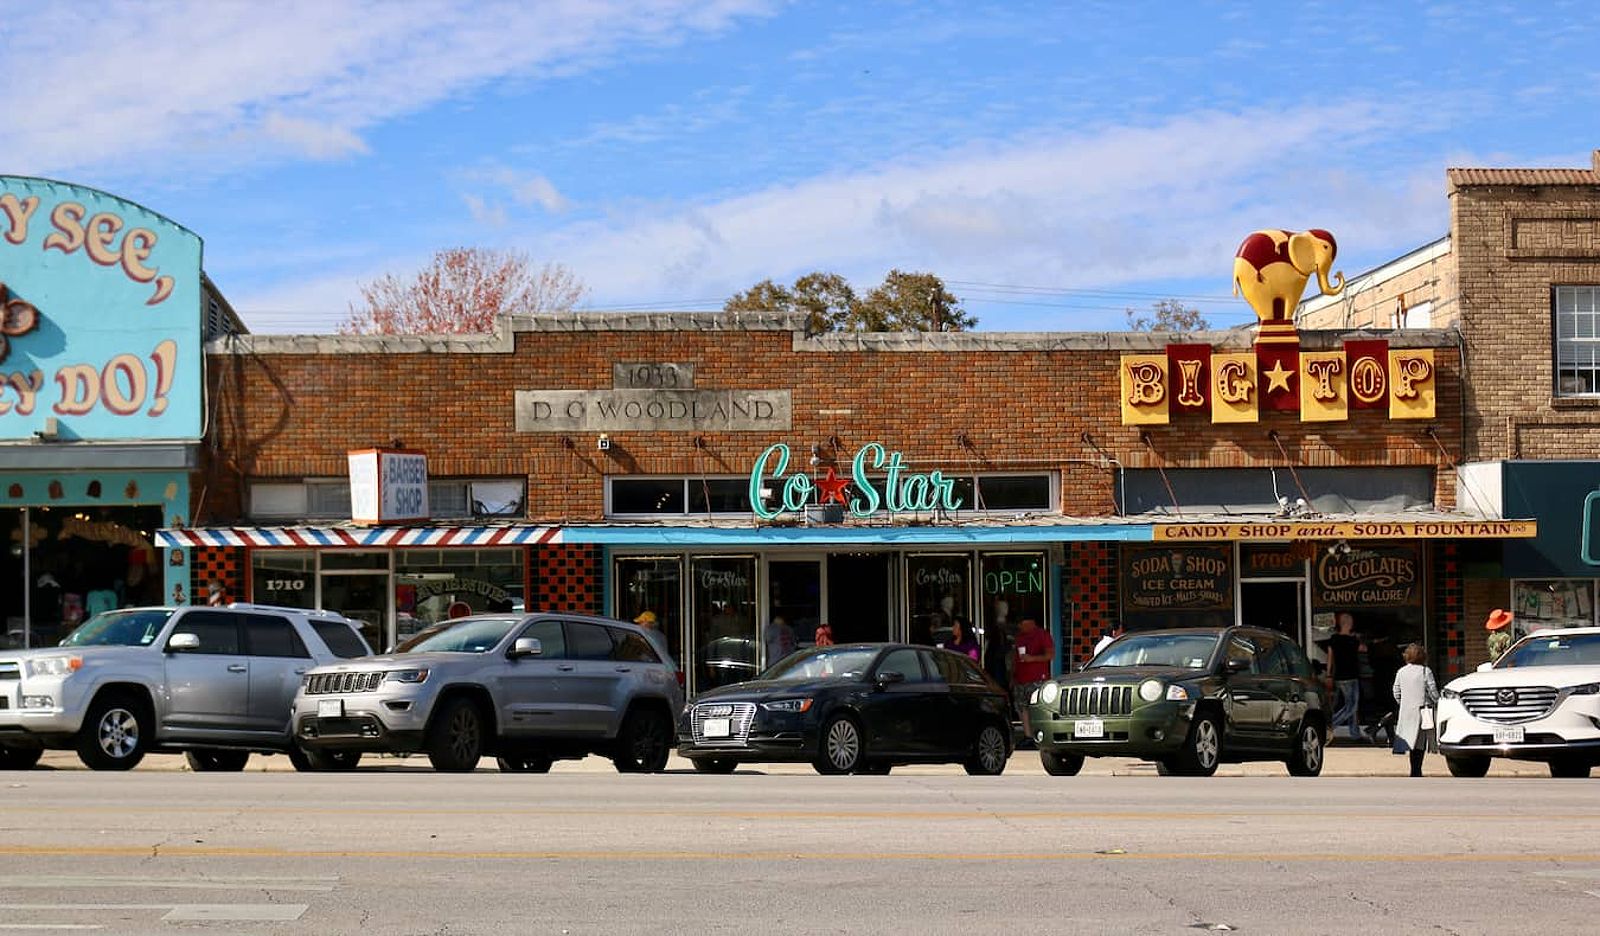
column 214, row 682
column 526, row 689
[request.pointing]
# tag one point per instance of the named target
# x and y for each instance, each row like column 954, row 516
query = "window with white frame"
column 1577, row 338
column 329, row 499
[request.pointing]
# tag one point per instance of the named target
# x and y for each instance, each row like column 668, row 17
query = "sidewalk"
column 1343, row 760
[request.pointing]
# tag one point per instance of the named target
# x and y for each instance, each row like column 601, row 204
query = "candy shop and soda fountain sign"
column 895, row 490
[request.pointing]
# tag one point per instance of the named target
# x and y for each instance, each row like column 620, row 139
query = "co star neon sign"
column 896, row 491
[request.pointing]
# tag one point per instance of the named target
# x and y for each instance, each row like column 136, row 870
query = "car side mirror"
column 1236, row 666
column 525, row 647
column 181, row 642
column 889, row 678
column 1485, row 667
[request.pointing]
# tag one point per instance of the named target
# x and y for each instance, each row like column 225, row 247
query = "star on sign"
column 831, row 488
column 1278, row 377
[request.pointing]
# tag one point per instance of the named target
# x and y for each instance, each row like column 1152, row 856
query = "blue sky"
column 1054, row 162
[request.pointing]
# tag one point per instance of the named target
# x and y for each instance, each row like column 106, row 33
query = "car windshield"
column 1190, row 651
column 850, row 663
column 427, row 633
column 468, row 635
column 119, row 629
column 1553, row 650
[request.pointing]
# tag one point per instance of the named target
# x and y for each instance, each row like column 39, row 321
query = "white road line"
column 238, row 883
column 50, row 926
column 243, row 913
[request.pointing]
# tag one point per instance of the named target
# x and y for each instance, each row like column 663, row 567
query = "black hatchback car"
column 1187, row 699
column 853, row 708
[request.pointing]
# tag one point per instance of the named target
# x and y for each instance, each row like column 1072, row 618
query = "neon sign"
column 896, row 491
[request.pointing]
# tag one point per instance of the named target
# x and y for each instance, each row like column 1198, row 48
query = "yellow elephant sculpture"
column 1271, row 269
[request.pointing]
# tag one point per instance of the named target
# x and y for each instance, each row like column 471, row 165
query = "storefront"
column 101, row 404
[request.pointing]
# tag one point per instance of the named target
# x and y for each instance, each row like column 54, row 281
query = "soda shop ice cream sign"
column 878, row 481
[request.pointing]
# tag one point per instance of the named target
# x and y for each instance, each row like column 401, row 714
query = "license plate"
column 1510, row 735
column 1089, row 728
column 717, row 727
column 330, row 708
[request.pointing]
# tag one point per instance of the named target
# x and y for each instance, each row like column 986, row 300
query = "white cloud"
column 484, row 213
column 208, row 81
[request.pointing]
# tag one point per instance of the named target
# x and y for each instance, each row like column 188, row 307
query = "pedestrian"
column 960, row 640
column 1035, row 654
column 1107, row 639
column 997, row 655
column 651, row 626
column 1499, row 627
column 1417, row 693
column 1344, row 673
column 824, row 635
column 215, row 593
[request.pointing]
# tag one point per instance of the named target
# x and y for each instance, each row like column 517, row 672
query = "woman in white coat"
column 1417, row 694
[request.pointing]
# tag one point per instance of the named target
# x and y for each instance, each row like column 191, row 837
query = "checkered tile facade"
column 226, row 564
column 1089, row 587
column 566, row 578
column 1450, row 638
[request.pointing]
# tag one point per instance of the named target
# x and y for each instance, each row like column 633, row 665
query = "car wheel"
column 1061, row 763
column 217, row 761
column 644, row 743
column 1569, row 769
column 840, row 749
column 115, row 735
column 988, row 757
column 455, row 739
column 19, row 758
column 1306, row 758
column 533, row 763
column 1202, row 750
column 1471, row 765
column 715, row 765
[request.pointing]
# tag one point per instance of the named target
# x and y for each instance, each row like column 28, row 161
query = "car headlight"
column 1151, row 690
column 1585, row 689
column 1049, row 693
column 788, row 705
column 1177, row 694
column 407, row 675
column 54, row 665
column 1448, row 693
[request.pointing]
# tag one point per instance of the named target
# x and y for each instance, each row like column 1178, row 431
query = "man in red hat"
column 1499, row 627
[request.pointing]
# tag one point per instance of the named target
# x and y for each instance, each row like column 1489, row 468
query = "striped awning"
column 300, row 537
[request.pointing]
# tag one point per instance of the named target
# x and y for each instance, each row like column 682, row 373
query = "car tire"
column 989, row 754
column 19, row 758
column 645, row 742
column 307, row 760
column 116, row 733
column 214, row 761
column 1570, row 769
column 1305, row 759
column 532, row 763
column 455, row 739
column 840, row 747
column 1202, row 749
column 1470, row 765
column 1061, row 763
column 715, row 765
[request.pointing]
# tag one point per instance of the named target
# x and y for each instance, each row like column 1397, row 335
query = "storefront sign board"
column 1368, row 575
column 652, row 410
column 1177, row 578
column 878, row 481
column 388, row 486
column 1375, row 529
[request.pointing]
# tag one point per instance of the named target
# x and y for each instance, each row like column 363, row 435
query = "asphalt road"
column 399, row 849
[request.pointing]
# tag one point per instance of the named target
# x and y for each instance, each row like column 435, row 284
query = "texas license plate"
column 1089, row 728
column 717, row 727
column 1514, row 735
column 330, row 708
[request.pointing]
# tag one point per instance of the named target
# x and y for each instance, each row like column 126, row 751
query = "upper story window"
column 1577, row 334
column 667, row 497
column 329, row 499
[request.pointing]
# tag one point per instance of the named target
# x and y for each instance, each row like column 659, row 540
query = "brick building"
column 745, row 481
column 1519, row 277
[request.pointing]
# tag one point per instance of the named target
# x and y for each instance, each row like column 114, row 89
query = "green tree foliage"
column 1168, row 315
column 902, row 302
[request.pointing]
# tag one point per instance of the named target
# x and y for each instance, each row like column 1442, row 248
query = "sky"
column 1056, row 163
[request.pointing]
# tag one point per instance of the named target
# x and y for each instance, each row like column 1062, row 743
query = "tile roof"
column 1460, row 177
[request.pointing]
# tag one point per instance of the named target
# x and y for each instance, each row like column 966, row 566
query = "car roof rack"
column 308, row 612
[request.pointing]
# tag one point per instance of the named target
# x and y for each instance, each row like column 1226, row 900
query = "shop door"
column 723, row 634
column 859, row 597
column 938, row 588
column 364, row 597
column 1274, row 605
column 794, row 607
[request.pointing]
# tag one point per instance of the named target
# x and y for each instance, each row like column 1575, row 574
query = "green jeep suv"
column 1187, row 699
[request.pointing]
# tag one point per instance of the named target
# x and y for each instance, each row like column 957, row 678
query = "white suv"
column 1540, row 701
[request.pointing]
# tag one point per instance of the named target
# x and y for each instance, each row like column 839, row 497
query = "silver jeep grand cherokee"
column 213, row 682
column 526, row 689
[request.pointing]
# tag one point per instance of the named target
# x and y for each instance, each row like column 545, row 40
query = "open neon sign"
column 897, row 491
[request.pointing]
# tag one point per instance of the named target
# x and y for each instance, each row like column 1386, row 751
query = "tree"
column 903, row 302
column 1168, row 315
column 463, row 290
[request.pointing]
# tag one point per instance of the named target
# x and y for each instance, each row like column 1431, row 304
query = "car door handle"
column 301, row 671
column 566, row 667
column 238, row 668
column 624, row 669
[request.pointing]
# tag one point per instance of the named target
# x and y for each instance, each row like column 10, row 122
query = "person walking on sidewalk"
column 1344, row 672
column 1417, row 693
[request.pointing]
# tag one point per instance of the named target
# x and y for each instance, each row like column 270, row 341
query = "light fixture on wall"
column 1339, row 549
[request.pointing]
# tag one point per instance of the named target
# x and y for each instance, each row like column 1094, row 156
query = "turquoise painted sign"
column 893, row 489
column 101, row 316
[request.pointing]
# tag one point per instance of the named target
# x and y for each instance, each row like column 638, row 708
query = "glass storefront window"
column 723, row 635
column 1013, row 589
column 80, row 561
column 431, row 585
column 286, row 579
column 938, row 587
column 1551, row 603
column 653, row 584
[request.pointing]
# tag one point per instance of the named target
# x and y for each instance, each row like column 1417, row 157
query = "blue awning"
column 822, row 535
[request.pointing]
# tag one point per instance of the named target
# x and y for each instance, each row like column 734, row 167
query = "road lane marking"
column 18, row 882
column 233, row 913
column 50, row 926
